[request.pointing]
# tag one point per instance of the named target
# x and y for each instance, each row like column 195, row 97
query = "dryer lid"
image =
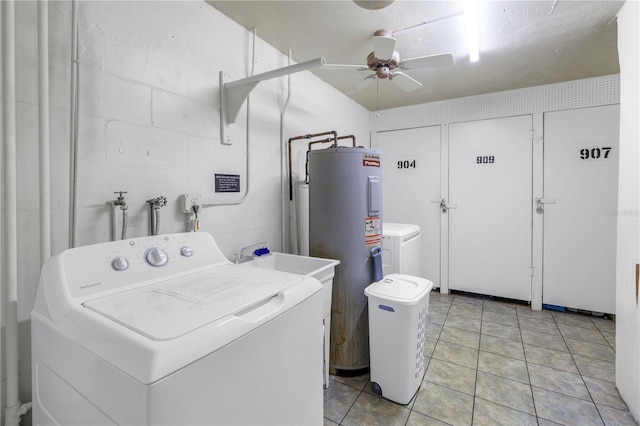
column 174, row 307
column 399, row 229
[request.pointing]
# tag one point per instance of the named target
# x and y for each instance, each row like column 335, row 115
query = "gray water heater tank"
column 345, row 223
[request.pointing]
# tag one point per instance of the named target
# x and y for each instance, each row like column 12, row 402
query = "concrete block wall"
column 149, row 125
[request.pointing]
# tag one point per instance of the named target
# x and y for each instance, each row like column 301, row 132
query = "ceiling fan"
column 386, row 64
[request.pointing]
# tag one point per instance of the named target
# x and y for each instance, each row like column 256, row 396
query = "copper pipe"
column 307, row 136
column 349, row 137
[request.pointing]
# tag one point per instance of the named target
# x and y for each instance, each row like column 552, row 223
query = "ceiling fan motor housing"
column 383, row 67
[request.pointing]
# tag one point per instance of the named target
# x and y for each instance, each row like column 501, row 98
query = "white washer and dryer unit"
column 164, row 330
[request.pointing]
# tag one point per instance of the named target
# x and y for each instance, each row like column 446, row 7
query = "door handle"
column 540, row 202
column 444, row 205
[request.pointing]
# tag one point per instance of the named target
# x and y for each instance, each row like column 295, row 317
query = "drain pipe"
column 73, row 125
column 14, row 408
column 43, row 129
column 283, row 204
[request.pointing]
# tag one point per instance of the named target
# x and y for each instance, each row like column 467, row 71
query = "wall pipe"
column 14, row 408
column 43, row 130
column 73, row 124
column 303, row 137
column 283, row 160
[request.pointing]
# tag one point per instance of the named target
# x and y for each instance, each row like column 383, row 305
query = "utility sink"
column 321, row 269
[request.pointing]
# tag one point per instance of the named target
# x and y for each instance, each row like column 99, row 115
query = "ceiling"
column 522, row 43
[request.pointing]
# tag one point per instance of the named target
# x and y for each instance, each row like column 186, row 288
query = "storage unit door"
column 411, row 180
column 580, row 208
column 490, row 200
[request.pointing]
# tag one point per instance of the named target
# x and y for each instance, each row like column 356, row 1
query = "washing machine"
column 400, row 249
column 164, row 330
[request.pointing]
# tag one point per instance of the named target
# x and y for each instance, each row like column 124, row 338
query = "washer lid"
column 174, row 307
column 404, row 289
column 398, row 229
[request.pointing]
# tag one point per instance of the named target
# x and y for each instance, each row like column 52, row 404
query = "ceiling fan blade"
column 431, row 61
column 383, row 47
column 360, row 86
column 345, row 67
column 405, row 82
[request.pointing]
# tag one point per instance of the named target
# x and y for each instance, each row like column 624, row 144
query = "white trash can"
column 398, row 306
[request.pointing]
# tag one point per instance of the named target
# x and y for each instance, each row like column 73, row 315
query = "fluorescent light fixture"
column 471, row 23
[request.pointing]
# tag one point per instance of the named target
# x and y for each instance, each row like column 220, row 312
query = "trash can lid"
column 401, row 288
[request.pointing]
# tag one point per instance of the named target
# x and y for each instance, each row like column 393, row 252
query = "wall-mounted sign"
column 485, row 159
column 407, row 164
column 227, row 183
column 595, row 153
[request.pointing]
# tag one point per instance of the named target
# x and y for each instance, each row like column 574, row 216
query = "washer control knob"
column 156, row 256
column 186, row 251
column 120, row 263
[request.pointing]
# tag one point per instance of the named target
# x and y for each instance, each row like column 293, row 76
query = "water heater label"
column 372, row 231
column 227, row 183
column 371, row 160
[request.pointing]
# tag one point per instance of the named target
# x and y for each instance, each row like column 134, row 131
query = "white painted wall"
column 628, row 253
column 149, row 125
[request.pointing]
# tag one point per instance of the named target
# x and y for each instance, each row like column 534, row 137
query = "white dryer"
column 164, row 330
column 401, row 249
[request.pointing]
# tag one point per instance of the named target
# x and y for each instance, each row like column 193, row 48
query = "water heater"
column 345, row 223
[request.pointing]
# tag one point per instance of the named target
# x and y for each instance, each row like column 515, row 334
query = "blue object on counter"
column 262, row 251
column 376, row 256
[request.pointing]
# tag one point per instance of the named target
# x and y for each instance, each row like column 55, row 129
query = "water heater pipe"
column 301, row 137
column 14, row 408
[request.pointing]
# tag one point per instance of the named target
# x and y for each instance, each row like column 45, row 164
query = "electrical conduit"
column 14, row 408
column 43, row 128
column 73, row 124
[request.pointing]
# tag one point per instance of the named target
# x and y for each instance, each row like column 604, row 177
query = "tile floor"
column 492, row 363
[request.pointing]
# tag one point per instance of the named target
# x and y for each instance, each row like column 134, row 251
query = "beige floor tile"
column 461, row 337
column 596, row 368
column 505, row 392
column 611, row 416
column 374, row 410
column 502, row 366
column 547, row 325
column 550, row 341
column 486, row 413
column 558, row 381
column 419, row 419
column 499, row 330
column 605, row 393
column 560, row 360
column 593, row 350
column 452, row 376
column 580, row 333
column 564, row 409
column 444, row 404
column 338, row 399
column 469, row 324
column 461, row 355
column 504, row 347
column 500, row 318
